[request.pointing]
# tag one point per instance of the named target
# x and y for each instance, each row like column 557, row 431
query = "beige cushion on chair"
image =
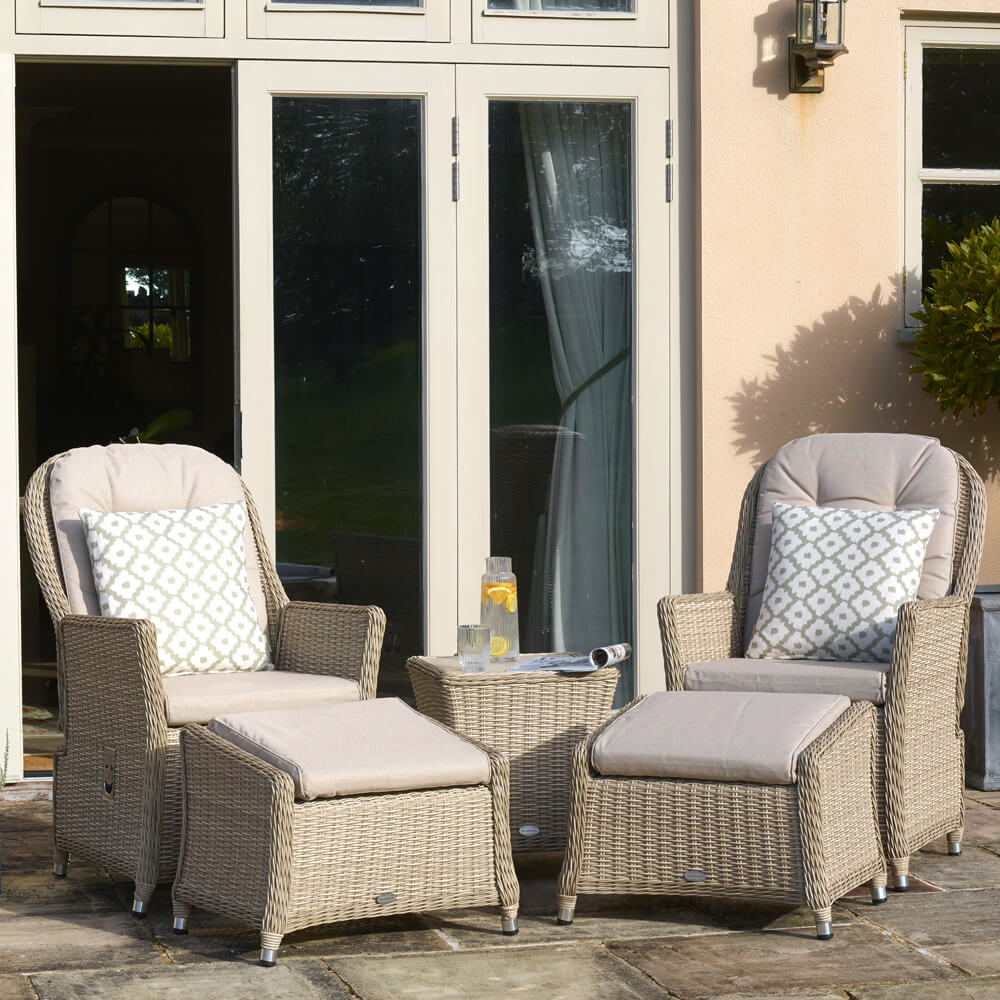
column 200, row 697
column 715, row 736
column 136, row 477
column 857, row 681
column 381, row 745
column 865, row 472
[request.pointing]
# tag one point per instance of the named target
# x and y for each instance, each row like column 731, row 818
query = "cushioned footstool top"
column 356, row 748
column 715, row 735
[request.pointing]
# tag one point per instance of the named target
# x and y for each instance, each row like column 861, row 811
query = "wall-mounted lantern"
column 818, row 40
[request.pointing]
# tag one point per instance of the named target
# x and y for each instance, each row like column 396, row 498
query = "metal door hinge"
column 670, row 138
column 670, row 182
column 454, row 136
column 454, row 182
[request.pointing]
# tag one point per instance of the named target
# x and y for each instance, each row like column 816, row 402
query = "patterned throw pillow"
column 835, row 580
column 184, row 570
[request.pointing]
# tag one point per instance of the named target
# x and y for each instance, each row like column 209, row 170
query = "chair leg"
column 824, row 923
column 60, row 863
column 269, row 949
column 508, row 920
column 567, row 908
column 878, row 889
column 899, row 874
column 955, row 841
column 140, row 901
column 181, row 913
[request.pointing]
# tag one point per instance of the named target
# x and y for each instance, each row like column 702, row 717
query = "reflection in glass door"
column 561, row 321
column 348, row 316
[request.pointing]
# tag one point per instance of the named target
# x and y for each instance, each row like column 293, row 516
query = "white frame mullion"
column 10, row 522
column 257, row 83
column 655, row 348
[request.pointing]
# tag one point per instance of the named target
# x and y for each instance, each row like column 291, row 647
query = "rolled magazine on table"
column 575, row 663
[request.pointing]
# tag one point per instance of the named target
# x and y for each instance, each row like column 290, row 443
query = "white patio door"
column 567, row 351
column 458, row 343
column 347, row 332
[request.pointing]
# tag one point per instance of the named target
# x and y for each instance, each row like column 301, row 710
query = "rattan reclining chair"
column 117, row 778
column 919, row 694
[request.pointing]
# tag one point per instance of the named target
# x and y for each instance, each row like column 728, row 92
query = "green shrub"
column 958, row 344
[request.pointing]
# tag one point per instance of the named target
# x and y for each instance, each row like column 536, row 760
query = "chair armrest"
column 922, row 707
column 343, row 640
column 111, row 706
column 696, row 627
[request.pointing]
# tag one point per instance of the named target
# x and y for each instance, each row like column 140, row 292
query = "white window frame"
column 648, row 25
column 916, row 176
column 131, row 18
column 430, row 22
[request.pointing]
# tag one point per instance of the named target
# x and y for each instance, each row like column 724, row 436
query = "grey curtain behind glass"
column 615, row 6
column 578, row 161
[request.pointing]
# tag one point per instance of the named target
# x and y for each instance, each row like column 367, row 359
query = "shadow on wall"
column 846, row 372
column 772, row 28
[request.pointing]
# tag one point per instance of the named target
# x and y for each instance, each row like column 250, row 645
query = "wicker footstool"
column 338, row 812
column 765, row 797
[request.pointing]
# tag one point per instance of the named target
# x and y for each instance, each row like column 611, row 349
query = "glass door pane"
column 347, row 338
column 569, row 439
column 347, row 348
column 561, row 413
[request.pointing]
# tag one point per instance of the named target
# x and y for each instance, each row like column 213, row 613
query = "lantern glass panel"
column 807, row 10
column 830, row 23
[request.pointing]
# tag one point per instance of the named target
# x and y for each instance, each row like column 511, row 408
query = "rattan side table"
column 536, row 719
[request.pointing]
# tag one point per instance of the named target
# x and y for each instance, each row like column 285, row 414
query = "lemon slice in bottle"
column 498, row 646
column 497, row 593
column 511, row 603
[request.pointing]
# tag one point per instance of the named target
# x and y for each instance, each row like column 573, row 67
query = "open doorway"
column 125, row 284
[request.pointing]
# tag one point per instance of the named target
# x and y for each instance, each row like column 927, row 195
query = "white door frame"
column 256, row 83
column 655, row 347
column 10, row 532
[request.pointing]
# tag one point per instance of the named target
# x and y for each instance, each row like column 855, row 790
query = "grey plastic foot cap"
column 180, row 925
column 268, row 957
column 59, row 871
column 565, row 917
column 139, row 908
column 509, row 925
column 955, row 848
column 879, row 895
column 900, row 883
column 824, row 931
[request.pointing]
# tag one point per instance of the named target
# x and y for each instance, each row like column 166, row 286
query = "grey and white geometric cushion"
column 184, row 570
column 835, row 580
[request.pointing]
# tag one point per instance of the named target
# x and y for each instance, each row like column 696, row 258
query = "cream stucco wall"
column 801, row 251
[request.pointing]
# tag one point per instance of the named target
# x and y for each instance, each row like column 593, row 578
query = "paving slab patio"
column 713, row 966
column 74, row 939
column 558, row 972
column 288, row 981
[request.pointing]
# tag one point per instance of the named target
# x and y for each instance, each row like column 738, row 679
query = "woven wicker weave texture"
column 252, row 853
column 803, row 843
column 536, row 719
column 111, row 700
column 920, row 767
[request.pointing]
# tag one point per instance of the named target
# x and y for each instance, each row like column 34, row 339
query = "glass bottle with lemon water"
column 498, row 609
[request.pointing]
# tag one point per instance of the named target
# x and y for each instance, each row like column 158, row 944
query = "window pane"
column 348, row 316
column 962, row 108
column 561, row 290
column 601, row 6
column 358, row 3
column 950, row 213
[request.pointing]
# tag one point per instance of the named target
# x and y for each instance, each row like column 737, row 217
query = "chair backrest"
column 865, row 472
column 132, row 477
